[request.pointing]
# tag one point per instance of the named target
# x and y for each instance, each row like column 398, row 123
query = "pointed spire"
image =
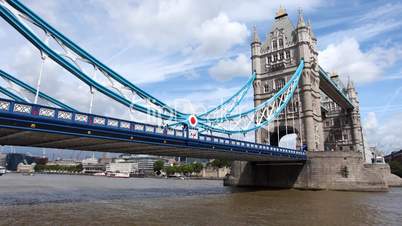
column 350, row 84
column 256, row 38
column 281, row 12
column 300, row 20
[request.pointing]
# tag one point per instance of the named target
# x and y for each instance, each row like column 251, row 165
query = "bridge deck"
column 30, row 125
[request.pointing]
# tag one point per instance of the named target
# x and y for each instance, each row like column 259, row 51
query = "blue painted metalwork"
column 126, row 130
column 293, row 81
column 11, row 19
column 177, row 117
column 11, row 95
column 33, row 91
column 63, row 39
column 243, row 91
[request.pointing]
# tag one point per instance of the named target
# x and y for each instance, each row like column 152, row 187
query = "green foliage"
column 186, row 169
column 197, row 167
column 40, row 167
column 396, row 167
column 219, row 163
column 158, row 165
column 170, row 170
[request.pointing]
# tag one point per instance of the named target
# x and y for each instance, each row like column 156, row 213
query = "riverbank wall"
column 344, row 171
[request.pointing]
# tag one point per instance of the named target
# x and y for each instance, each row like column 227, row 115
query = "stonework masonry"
column 335, row 170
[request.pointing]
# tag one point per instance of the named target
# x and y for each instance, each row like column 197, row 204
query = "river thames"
column 86, row 200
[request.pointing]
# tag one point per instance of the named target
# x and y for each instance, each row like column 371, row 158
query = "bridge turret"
column 357, row 134
column 311, row 103
column 352, row 93
column 256, row 52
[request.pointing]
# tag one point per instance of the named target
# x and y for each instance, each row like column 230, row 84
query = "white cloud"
column 347, row 58
column 218, row 35
column 363, row 26
column 386, row 135
column 226, row 69
column 371, row 121
column 361, row 33
column 177, row 24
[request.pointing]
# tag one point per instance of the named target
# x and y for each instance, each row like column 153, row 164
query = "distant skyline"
column 199, row 51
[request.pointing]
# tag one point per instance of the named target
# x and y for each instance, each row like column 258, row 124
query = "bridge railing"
column 70, row 117
column 254, row 147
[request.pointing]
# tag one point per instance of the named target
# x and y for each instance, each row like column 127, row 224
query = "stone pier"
column 322, row 171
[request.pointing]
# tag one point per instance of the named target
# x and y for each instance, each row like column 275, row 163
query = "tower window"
column 266, row 88
column 281, row 56
column 280, row 83
column 280, row 43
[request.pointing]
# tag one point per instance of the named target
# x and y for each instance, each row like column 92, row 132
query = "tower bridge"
column 293, row 94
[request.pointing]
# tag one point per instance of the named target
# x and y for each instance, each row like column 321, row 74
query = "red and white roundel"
column 192, row 120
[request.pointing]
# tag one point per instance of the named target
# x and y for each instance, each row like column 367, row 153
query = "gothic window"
column 274, row 44
column 275, row 57
column 281, row 56
column 266, row 88
column 280, row 83
column 280, row 43
column 287, row 54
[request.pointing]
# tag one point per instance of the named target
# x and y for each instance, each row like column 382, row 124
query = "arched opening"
column 287, row 137
column 289, row 141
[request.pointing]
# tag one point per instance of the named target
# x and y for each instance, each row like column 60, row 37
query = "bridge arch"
column 286, row 135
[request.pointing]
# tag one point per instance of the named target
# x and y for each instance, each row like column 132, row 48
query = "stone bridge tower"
column 327, row 118
column 274, row 61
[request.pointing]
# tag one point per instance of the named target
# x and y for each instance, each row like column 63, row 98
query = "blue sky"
column 198, row 51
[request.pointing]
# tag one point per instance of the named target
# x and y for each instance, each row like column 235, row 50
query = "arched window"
column 280, row 43
column 266, row 88
column 274, row 44
column 281, row 56
column 280, row 83
column 287, row 54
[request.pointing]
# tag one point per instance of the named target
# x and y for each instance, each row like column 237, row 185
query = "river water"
column 85, row 200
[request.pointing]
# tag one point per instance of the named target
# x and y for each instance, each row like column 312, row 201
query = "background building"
column 122, row 167
column 12, row 160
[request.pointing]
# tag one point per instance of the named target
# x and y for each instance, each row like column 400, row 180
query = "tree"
column 219, row 163
column 170, row 170
column 197, row 167
column 158, row 166
column 396, row 167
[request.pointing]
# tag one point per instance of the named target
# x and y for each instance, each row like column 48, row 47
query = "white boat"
column 120, row 175
column 2, row 170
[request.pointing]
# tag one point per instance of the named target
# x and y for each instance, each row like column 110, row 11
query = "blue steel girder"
column 33, row 91
column 42, row 122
